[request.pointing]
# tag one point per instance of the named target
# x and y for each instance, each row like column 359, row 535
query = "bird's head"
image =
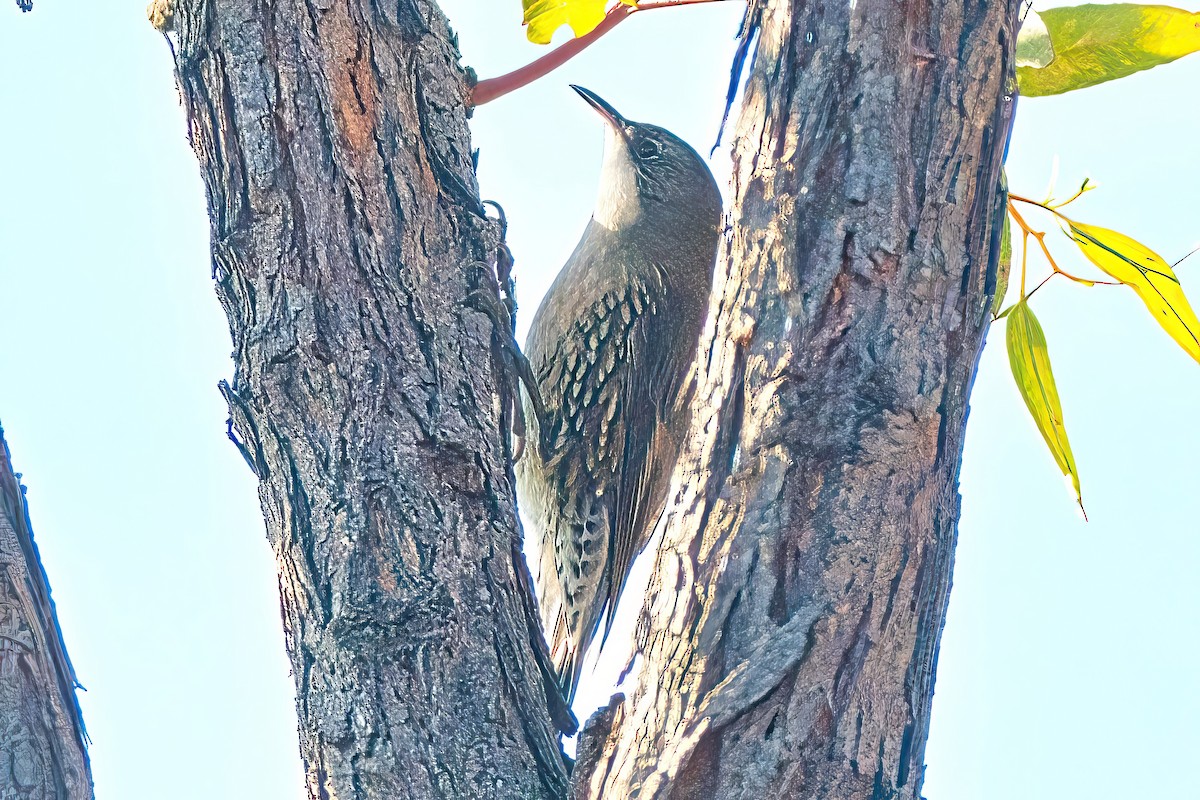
column 649, row 171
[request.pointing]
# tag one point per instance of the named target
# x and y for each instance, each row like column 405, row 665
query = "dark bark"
column 791, row 632
column 43, row 746
column 346, row 228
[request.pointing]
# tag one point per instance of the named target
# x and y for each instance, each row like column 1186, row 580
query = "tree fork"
column 792, row 623
column 346, row 236
column 800, row 590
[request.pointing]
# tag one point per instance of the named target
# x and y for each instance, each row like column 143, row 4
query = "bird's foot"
column 495, row 298
column 515, row 369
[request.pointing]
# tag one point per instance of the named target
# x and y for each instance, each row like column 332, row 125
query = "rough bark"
column 791, row 632
column 345, row 230
column 790, row 637
column 43, row 745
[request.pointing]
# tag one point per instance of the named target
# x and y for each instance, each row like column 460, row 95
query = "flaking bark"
column 792, row 626
column 346, row 228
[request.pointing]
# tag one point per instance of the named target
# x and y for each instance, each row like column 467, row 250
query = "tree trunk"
column 43, row 746
column 790, row 637
column 346, row 227
column 791, row 630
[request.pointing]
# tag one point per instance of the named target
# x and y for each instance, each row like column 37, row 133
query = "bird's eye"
column 649, row 149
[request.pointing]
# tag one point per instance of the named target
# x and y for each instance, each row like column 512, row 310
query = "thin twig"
column 671, row 4
column 1040, row 285
column 1021, row 199
column 488, row 90
column 1084, row 189
column 1024, row 257
column 1041, row 240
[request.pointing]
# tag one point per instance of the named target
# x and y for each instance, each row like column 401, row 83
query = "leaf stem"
column 1027, row 231
column 1024, row 259
column 1017, row 218
column 492, row 88
column 1086, row 187
column 1021, row 199
column 1040, row 285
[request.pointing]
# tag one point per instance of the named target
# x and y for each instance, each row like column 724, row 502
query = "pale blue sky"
column 1069, row 664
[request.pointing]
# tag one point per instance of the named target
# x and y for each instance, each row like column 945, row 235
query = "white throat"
column 617, row 206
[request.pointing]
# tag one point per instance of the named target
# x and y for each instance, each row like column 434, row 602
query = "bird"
column 610, row 349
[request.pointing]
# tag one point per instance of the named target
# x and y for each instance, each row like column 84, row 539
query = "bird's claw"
column 496, row 300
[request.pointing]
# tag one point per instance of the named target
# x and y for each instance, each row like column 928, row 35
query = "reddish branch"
column 488, row 90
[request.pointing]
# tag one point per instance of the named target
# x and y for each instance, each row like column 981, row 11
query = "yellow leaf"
column 544, row 17
column 1073, row 47
column 1143, row 270
column 1030, row 362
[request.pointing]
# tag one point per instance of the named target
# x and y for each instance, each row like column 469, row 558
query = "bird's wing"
column 605, row 483
column 647, row 455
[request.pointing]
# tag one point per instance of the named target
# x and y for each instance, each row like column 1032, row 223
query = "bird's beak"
column 608, row 112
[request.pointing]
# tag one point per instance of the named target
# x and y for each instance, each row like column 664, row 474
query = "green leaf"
column 1004, row 267
column 1074, row 47
column 1034, row 48
column 1030, row 362
column 544, row 17
column 1143, row 270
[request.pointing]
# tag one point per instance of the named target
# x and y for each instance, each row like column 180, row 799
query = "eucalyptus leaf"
column 1034, row 47
column 1090, row 44
column 1029, row 358
column 1004, row 268
column 1148, row 274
